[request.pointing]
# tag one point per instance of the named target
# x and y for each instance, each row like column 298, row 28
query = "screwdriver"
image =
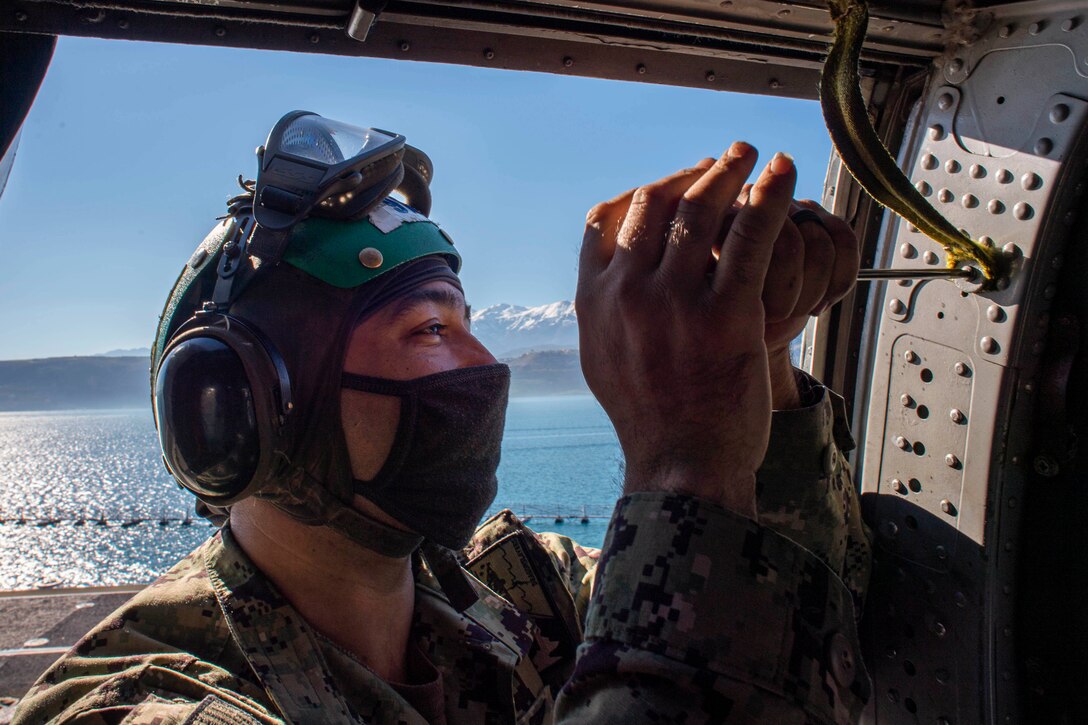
column 960, row 273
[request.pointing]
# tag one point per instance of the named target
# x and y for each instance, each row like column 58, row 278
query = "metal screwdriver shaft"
column 960, row 273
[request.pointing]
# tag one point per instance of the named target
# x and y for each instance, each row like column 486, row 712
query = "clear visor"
column 329, row 142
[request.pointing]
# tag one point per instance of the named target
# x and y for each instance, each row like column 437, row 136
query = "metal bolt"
column 315, row 38
column 896, row 307
column 910, row 356
column 783, row 13
column 220, row 32
column 1006, row 31
column 1036, row 28
column 951, row 461
column 976, row 171
column 942, row 553
column 902, row 443
column 1059, row 113
column 893, row 696
column 1046, row 465
column 1023, row 211
column 892, row 529
column 1012, row 250
column 1004, row 176
column 907, row 251
column 640, row 69
column 930, row 162
column 947, row 507
column 489, row 54
column 1044, row 146
column 939, row 629
column 710, row 77
column 930, row 257
column 969, row 201
column 405, row 46
column 961, row 369
column 774, row 83
column 955, row 66
column 986, row 241
column 957, row 415
column 20, row 16
column 899, row 486
column 906, row 400
column 952, row 166
column 995, row 314
column 1069, row 24
column 568, row 62
column 937, row 132
column 988, row 345
column 942, row 678
column 122, row 24
column 996, row 206
column 945, row 195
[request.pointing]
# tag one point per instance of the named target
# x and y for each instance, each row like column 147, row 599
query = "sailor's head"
column 341, row 383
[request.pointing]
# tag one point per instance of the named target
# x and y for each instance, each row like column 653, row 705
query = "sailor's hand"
column 815, row 264
column 675, row 355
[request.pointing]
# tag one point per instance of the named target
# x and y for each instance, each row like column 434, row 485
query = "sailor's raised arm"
column 698, row 609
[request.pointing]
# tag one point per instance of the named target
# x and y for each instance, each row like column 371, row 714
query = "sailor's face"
column 423, row 332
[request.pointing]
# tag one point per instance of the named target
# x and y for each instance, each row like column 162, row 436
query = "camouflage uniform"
column 700, row 615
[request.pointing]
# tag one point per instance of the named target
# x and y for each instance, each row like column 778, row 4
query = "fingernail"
column 739, row 150
column 782, row 163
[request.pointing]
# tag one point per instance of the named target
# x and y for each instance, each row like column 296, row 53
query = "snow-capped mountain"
column 509, row 330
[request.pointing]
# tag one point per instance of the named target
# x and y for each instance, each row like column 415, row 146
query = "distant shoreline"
column 101, row 383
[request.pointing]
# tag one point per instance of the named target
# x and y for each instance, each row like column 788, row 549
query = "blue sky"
column 131, row 150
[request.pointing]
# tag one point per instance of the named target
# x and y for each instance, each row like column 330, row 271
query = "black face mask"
column 439, row 477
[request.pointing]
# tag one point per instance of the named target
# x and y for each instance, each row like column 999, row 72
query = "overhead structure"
column 754, row 47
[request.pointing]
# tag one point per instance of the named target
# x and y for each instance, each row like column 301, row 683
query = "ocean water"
column 85, row 499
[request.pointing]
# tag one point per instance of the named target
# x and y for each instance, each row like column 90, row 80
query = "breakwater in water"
column 85, row 499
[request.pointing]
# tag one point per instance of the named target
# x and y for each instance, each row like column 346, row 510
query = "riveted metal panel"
column 1000, row 151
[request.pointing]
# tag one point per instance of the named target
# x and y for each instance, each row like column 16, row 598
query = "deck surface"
column 38, row 626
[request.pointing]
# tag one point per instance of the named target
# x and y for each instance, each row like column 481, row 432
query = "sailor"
column 317, row 386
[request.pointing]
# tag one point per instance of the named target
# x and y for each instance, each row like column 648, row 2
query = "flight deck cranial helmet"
column 248, row 350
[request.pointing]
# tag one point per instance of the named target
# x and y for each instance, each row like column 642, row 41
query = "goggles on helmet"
column 316, row 166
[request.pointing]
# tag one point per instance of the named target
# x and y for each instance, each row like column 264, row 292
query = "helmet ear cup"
column 222, row 400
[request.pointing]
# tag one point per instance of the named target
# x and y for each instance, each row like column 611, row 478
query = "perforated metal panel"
column 1000, row 152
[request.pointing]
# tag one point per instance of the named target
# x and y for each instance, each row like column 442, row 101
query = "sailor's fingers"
column 697, row 224
column 847, row 250
column 599, row 239
column 819, row 262
column 786, row 275
column 749, row 246
column 643, row 233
